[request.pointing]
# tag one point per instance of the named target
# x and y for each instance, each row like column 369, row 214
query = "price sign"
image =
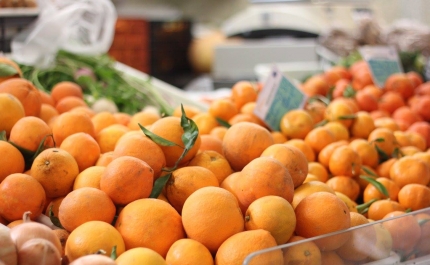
column 279, row 95
column 383, row 62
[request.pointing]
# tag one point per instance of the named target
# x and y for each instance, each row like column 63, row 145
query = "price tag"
column 383, row 62
column 278, row 96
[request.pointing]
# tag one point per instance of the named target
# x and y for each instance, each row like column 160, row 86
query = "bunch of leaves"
column 189, row 137
column 99, row 78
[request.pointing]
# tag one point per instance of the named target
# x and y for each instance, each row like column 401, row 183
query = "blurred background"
column 211, row 44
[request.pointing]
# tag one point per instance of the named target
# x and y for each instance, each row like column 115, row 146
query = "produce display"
column 81, row 186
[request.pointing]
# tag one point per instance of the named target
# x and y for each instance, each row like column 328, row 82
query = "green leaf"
column 323, row 99
column 7, row 70
column 3, row 136
column 381, row 188
column 329, row 95
column 347, row 117
column 408, row 210
column 321, row 123
column 223, row 123
column 379, row 140
column 113, row 254
column 54, row 219
column 155, row 138
column 159, row 185
column 382, row 155
column 189, row 137
column 369, row 172
column 363, row 208
column 397, row 153
column 349, row 92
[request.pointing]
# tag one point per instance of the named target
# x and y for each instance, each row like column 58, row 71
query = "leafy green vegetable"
column 102, row 80
column 7, row 70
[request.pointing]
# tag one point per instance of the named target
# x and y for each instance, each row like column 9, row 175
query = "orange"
column 384, row 243
column 309, row 188
column 357, row 246
column 84, row 205
column 331, row 258
column 25, row 92
column 371, row 192
column 317, row 169
column 383, row 169
column 244, row 142
column 374, row 90
column 91, row 237
column 11, row 110
column 291, row 157
column 417, row 140
column 366, row 101
column 296, row 124
column 144, row 118
column 408, row 170
column 405, row 231
column 210, row 142
column 121, row 177
column 11, row 157
column 352, row 205
column 304, row 147
column 405, row 117
column 186, row 180
column 70, row 123
column 339, row 131
column 236, row 248
column 47, row 112
column 315, row 85
column 213, row 161
column 362, row 125
column 84, row 110
column 339, row 111
column 257, row 179
column 223, row 108
column 402, row 138
column 424, row 156
column 6, row 61
column 321, row 213
column 219, row 132
column 344, row 161
column 399, row 82
column 345, row 185
column 188, row 251
column 205, row 122
column 243, row 92
column 390, row 101
column 383, row 139
column 414, row 196
column 368, row 154
column 89, row 177
column 311, row 177
column 62, row 235
column 273, row 214
column 303, row 253
column 319, row 138
column 102, row 120
column 278, row 137
column 335, row 73
column 162, row 223
column 316, row 109
column 122, row 118
column 210, row 215
column 327, row 151
column 109, row 136
column 66, row 89
column 15, row 200
column 56, row 170
column 241, row 117
column 190, row 111
column 361, row 79
column 415, row 78
column 138, row 256
column 379, row 209
column 339, row 87
column 387, row 122
column 83, row 148
column 421, row 107
column 409, row 150
column 170, row 129
column 69, row 103
column 137, row 145
column 422, row 128
column 379, row 114
column 105, row 159
column 54, row 206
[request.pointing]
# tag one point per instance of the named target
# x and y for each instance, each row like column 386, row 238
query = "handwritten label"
column 383, row 62
column 279, row 95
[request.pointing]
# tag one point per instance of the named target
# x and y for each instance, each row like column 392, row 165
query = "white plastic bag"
column 78, row 26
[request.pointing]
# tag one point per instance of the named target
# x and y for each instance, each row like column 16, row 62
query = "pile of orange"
column 241, row 188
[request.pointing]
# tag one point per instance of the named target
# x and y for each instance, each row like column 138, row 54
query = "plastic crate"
column 360, row 232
